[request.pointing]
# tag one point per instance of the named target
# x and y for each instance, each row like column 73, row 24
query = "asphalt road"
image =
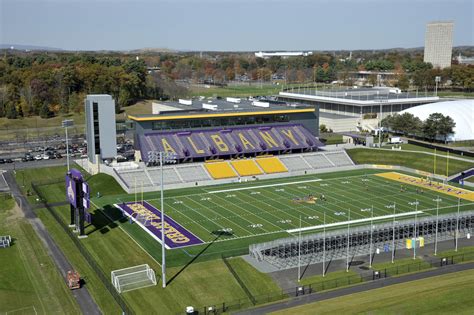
column 82, row 295
column 305, row 299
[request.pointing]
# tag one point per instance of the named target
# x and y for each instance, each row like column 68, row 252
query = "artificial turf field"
column 266, row 210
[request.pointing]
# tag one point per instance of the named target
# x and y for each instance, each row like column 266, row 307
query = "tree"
column 10, row 110
column 438, row 125
column 403, row 82
column 446, row 127
column 44, row 111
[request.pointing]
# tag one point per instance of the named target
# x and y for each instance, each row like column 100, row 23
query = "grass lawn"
column 256, row 282
column 413, row 147
column 6, row 201
column 237, row 90
column 419, row 161
column 29, row 280
column 331, row 138
column 402, row 266
column 446, row 294
column 470, row 179
column 464, row 254
column 332, row 279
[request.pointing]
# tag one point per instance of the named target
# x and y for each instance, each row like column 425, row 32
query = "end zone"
column 176, row 235
column 435, row 186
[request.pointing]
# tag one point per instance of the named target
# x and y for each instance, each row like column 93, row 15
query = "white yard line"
column 264, row 186
column 354, row 221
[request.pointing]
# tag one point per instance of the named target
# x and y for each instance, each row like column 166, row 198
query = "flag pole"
column 324, row 244
column 347, row 241
column 299, row 253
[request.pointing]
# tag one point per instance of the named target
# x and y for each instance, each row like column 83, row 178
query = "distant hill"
column 28, row 47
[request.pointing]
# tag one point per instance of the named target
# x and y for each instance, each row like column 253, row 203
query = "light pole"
column 393, row 229
column 324, row 244
column 348, row 244
column 371, row 235
column 436, row 231
column 457, row 225
column 299, row 253
column 162, row 157
column 65, row 124
column 415, row 203
column 437, row 80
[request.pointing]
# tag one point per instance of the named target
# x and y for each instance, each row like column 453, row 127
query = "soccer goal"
column 133, row 278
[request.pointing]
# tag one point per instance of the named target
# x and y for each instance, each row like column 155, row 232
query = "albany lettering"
column 290, row 135
column 221, row 145
column 166, row 146
column 268, row 139
column 245, row 142
column 196, row 149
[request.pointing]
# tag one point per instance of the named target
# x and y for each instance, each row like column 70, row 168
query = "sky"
column 230, row 25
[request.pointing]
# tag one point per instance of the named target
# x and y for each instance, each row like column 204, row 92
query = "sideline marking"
column 264, row 186
column 308, row 228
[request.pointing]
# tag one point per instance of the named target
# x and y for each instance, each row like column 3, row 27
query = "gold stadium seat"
column 220, row 170
column 271, row 165
column 246, row 167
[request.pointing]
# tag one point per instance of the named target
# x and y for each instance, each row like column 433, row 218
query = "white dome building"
column 461, row 111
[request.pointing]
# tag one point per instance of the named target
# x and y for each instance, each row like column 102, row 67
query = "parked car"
column 45, row 157
column 30, row 158
column 38, row 157
column 58, row 155
column 8, row 161
column 2, row 161
column 24, row 159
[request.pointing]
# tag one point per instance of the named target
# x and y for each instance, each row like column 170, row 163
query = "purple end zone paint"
column 175, row 235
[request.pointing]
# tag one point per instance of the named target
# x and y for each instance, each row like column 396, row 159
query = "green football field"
column 265, row 210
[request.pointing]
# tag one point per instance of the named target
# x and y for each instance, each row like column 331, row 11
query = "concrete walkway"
column 82, row 295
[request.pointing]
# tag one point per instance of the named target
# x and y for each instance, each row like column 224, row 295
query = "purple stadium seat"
column 229, row 141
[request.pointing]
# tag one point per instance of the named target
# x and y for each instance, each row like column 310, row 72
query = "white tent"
column 461, row 111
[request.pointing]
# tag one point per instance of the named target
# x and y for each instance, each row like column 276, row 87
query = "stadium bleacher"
column 339, row 158
column 271, row 165
column 294, row 163
column 246, row 167
column 170, row 176
column 230, row 141
column 318, row 161
column 219, row 170
column 192, row 172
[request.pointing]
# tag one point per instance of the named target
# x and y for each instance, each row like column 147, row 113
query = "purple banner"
column 71, row 190
column 149, row 218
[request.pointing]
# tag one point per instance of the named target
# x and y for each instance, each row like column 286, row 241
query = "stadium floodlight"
column 436, row 231
column 348, row 243
column 65, row 124
column 168, row 158
column 457, row 225
column 393, row 229
column 133, row 278
column 414, row 203
column 299, row 253
column 324, row 245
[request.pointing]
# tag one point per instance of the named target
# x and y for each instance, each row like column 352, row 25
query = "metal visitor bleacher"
column 230, row 142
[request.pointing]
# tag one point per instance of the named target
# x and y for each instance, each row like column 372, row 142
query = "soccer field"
column 263, row 210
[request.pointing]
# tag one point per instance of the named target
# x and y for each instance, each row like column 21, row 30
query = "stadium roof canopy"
column 461, row 111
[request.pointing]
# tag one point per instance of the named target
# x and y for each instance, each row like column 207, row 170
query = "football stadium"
column 251, row 179
column 243, row 197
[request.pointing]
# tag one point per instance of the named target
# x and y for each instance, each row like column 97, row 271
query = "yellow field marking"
column 435, row 186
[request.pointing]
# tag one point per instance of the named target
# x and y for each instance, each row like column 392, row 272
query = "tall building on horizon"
column 439, row 43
